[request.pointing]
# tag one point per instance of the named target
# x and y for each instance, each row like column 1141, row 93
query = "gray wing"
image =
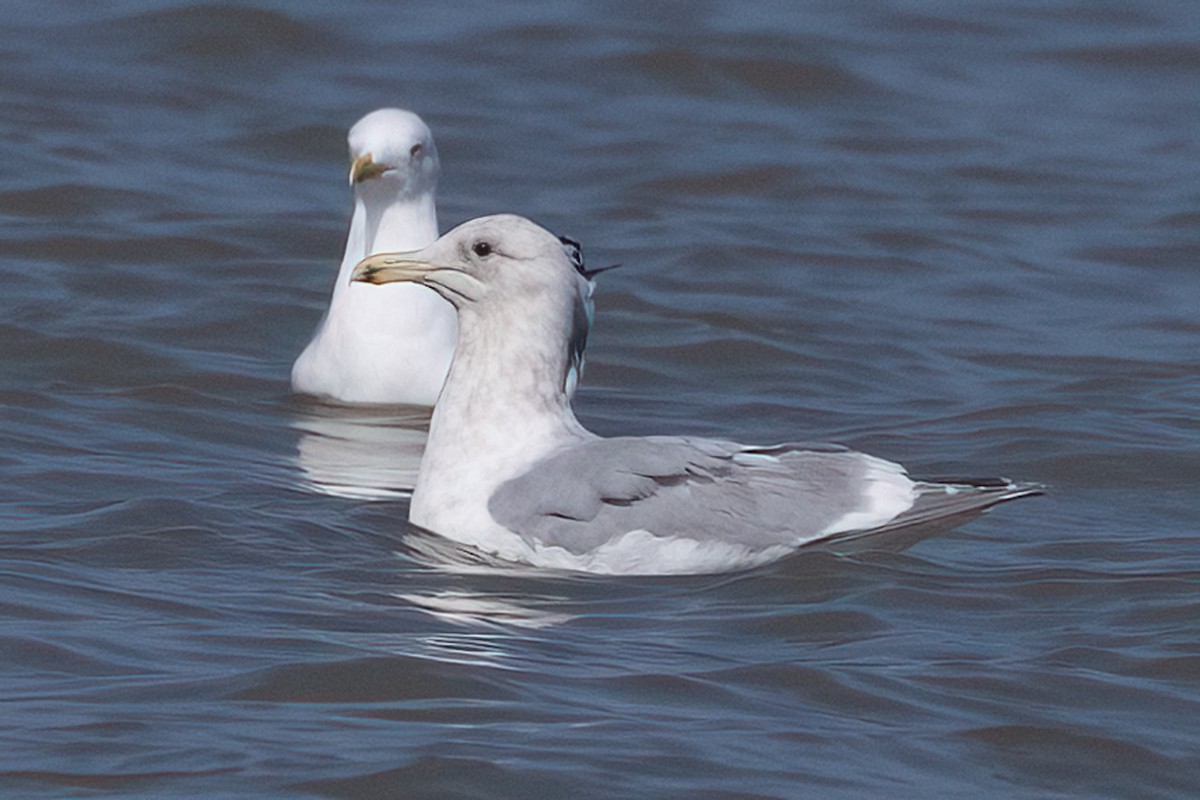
column 699, row 489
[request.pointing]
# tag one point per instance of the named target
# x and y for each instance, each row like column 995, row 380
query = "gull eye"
column 416, row 150
column 481, row 249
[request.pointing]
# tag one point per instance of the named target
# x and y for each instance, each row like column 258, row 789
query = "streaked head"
column 502, row 258
column 392, row 150
column 510, row 280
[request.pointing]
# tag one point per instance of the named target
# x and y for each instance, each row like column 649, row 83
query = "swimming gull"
column 508, row 468
column 390, row 346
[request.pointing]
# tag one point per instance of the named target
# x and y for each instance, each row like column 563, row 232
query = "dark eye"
column 481, row 249
column 416, row 150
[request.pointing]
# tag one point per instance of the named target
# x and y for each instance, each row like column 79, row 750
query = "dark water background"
column 963, row 236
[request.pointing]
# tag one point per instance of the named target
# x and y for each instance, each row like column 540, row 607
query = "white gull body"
column 509, row 470
column 394, row 345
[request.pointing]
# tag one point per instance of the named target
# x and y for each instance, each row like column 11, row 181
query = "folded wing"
column 750, row 498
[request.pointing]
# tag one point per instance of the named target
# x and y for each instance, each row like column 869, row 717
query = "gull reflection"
column 364, row 453
column 500, row 596
column 491, row 610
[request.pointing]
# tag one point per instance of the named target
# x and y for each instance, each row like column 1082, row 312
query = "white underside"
column 641, row 552
column 380, row 344
column 638, row 552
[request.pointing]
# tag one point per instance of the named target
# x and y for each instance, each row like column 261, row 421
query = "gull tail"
column 941, row 504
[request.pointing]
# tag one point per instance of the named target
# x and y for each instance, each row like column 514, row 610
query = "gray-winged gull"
column 508, row 468
column 390, row 346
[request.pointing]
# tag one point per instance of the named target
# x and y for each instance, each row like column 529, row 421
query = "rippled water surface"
column 961, row 236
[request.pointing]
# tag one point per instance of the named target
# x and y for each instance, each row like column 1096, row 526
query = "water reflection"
column 492, row 610
column 361, row 453
column 482, row 606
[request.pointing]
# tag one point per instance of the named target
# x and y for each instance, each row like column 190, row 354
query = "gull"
column 390, row 346
column 508, row 469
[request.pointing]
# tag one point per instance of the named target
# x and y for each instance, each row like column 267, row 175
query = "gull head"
column 497, row 261
column 392, row 151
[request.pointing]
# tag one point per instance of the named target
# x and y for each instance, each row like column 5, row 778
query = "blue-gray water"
column 962, row 236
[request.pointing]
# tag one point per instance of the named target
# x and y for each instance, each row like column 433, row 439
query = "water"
column 964, row 237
